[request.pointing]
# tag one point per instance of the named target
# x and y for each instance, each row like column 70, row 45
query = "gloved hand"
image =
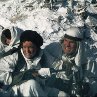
column 86, row 88
column 44, row 72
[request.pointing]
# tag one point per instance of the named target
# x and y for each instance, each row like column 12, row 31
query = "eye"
column 31, row 47
column 72, row 42
column 65, row 40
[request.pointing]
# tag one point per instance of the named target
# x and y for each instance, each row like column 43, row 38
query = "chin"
column 68, row 53
column 28, row 57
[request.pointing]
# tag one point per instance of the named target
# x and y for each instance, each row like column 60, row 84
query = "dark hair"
column 33, row 36
column 7, row 33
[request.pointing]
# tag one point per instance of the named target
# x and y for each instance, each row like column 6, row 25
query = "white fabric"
column 90, row 72
column 30, row 88
column 89, row 64
column 44, row 72
column 15, row 35
column 33, row 63
column 7, row 65
column 74, row 32
column 52, row 55
column 53, row 58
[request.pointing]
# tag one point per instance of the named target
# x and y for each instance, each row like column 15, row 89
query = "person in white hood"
column 9, row 39
column 68, row 57
column 20, row 70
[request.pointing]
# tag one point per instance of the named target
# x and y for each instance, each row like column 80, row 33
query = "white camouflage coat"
column 30, row 88
column 90, row 70
column 85, row 58
column 54, row 58
column 54, row 53
column 15, row 35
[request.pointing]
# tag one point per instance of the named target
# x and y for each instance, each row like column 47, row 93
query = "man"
column 9, row 40
column 67, row 56
column 21, row 73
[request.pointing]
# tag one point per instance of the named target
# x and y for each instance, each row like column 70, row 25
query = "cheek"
column 32, row 51
column 8, row 41
column 64, row 43
column 24, row 51
column 73, row 47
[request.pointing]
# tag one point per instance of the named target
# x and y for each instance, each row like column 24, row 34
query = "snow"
column 51, row 20
column 38, row 15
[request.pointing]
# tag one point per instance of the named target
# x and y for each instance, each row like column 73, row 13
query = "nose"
column 7, row 41
column 27, row 50
column 68, row 43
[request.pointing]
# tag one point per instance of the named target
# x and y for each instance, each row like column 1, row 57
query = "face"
column 29, row 49
column 69, row 46
column 6, row 40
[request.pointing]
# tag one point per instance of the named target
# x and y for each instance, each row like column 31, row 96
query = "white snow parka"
column 15, row 35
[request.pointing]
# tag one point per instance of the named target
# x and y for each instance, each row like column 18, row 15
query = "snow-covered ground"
column 51, row 19
column 29, row 14
column 47, row 18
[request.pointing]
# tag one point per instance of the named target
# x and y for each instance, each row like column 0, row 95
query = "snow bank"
column 37, row 15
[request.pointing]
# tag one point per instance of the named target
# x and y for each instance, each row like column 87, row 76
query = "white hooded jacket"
column 54, row 51
column 15, row 35
column 8, row 63
column 54, row 57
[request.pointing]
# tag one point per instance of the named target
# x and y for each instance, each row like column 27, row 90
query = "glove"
column 86, row 88
column 44, row 72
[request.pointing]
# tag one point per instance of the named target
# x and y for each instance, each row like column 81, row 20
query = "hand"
column 86, row 88
column 44, row 72
column 1, row 85
column 35, row 74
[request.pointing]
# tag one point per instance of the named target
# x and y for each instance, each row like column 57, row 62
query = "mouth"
column 29, row 55
column 67, row 48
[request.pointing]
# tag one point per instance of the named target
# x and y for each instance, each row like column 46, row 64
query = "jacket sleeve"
column 90, row 76
column 19, row 77
column 51, row 53
column 7, row 65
